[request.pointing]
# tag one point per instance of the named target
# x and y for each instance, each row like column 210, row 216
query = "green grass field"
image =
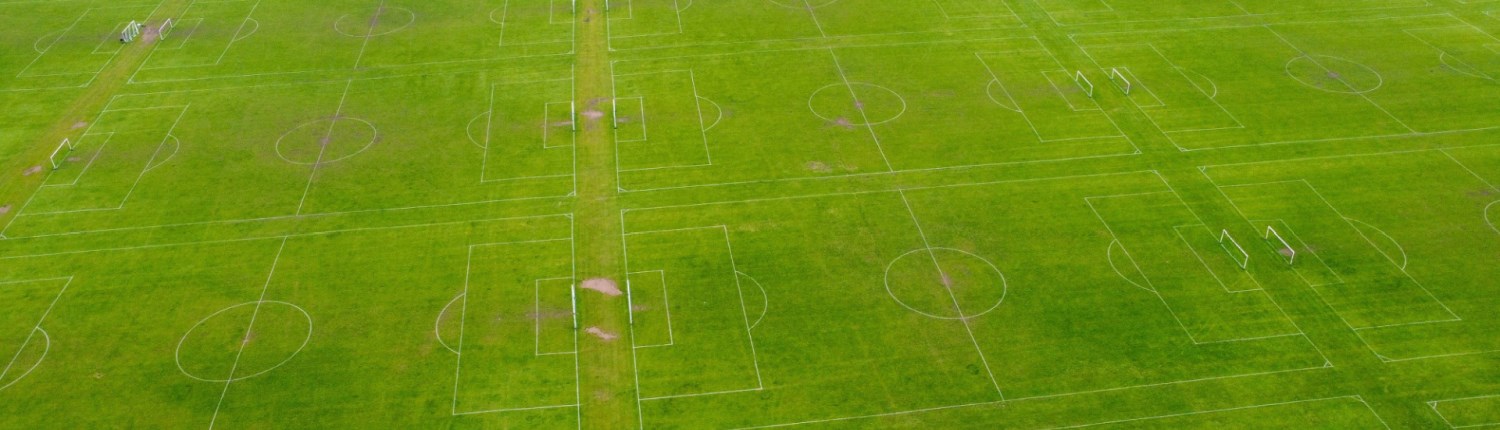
column 735, row 214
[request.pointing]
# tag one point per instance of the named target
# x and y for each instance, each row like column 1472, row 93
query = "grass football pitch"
column 737, row 214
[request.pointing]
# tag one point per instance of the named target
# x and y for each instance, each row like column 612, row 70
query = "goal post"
column 1120, row 80
column 64, row 148
column 1286, row 249
column 1237, row 252
column 573, row 300
column 132, row 31
column 166, row 28
column 629, row 302
column 1083, row 83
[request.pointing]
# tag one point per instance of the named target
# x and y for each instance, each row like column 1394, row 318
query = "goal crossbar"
column 65, row 145
column 1286, row 247
column 132, row 30
column 166, row 27
column 1083, row 83
column 1120, row 80
column 1225, row 240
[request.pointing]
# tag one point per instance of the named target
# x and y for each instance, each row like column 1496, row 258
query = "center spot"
column 856, row 104
column 945, row 283
column 325, row 140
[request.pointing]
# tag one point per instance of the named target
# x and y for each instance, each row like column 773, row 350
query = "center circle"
column 856, row 104
column 1334, row 74
column 325, row 140
column 378, row 22
column 219, row 345
column 945, row 283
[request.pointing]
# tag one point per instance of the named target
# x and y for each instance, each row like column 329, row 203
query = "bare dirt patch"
column 80, row 124
column 843, row 123
column 818, row 166
column 4, row 209
column 601, row 334
column 1286, row 252
column 602, row 285
column 149, row 33
column 32, row 171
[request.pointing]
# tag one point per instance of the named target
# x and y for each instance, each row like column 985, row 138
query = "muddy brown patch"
column 32, row 171
column 843, row 123
column 601, row 334
column 80, row 124
column 818, row 166
column 602, row 285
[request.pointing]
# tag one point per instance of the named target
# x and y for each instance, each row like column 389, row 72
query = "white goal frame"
column 1271, row 232
column 1120, row 80
column 66, row 144
column 166, row 27
column 132, row 31
column 1244, row 258
column 1083, row 83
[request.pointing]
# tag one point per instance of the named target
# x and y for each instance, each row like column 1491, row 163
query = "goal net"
column 165, row 29
column 1285, row 248
column 1234, row 249
column 132, row 31
column 1120, row 80
column 61, row 153
column 1083, row 83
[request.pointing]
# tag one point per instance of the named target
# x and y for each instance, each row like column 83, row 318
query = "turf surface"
column 750, row 213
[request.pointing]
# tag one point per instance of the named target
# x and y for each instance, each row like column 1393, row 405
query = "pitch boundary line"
column 1019, row 399
column 1241, row 408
